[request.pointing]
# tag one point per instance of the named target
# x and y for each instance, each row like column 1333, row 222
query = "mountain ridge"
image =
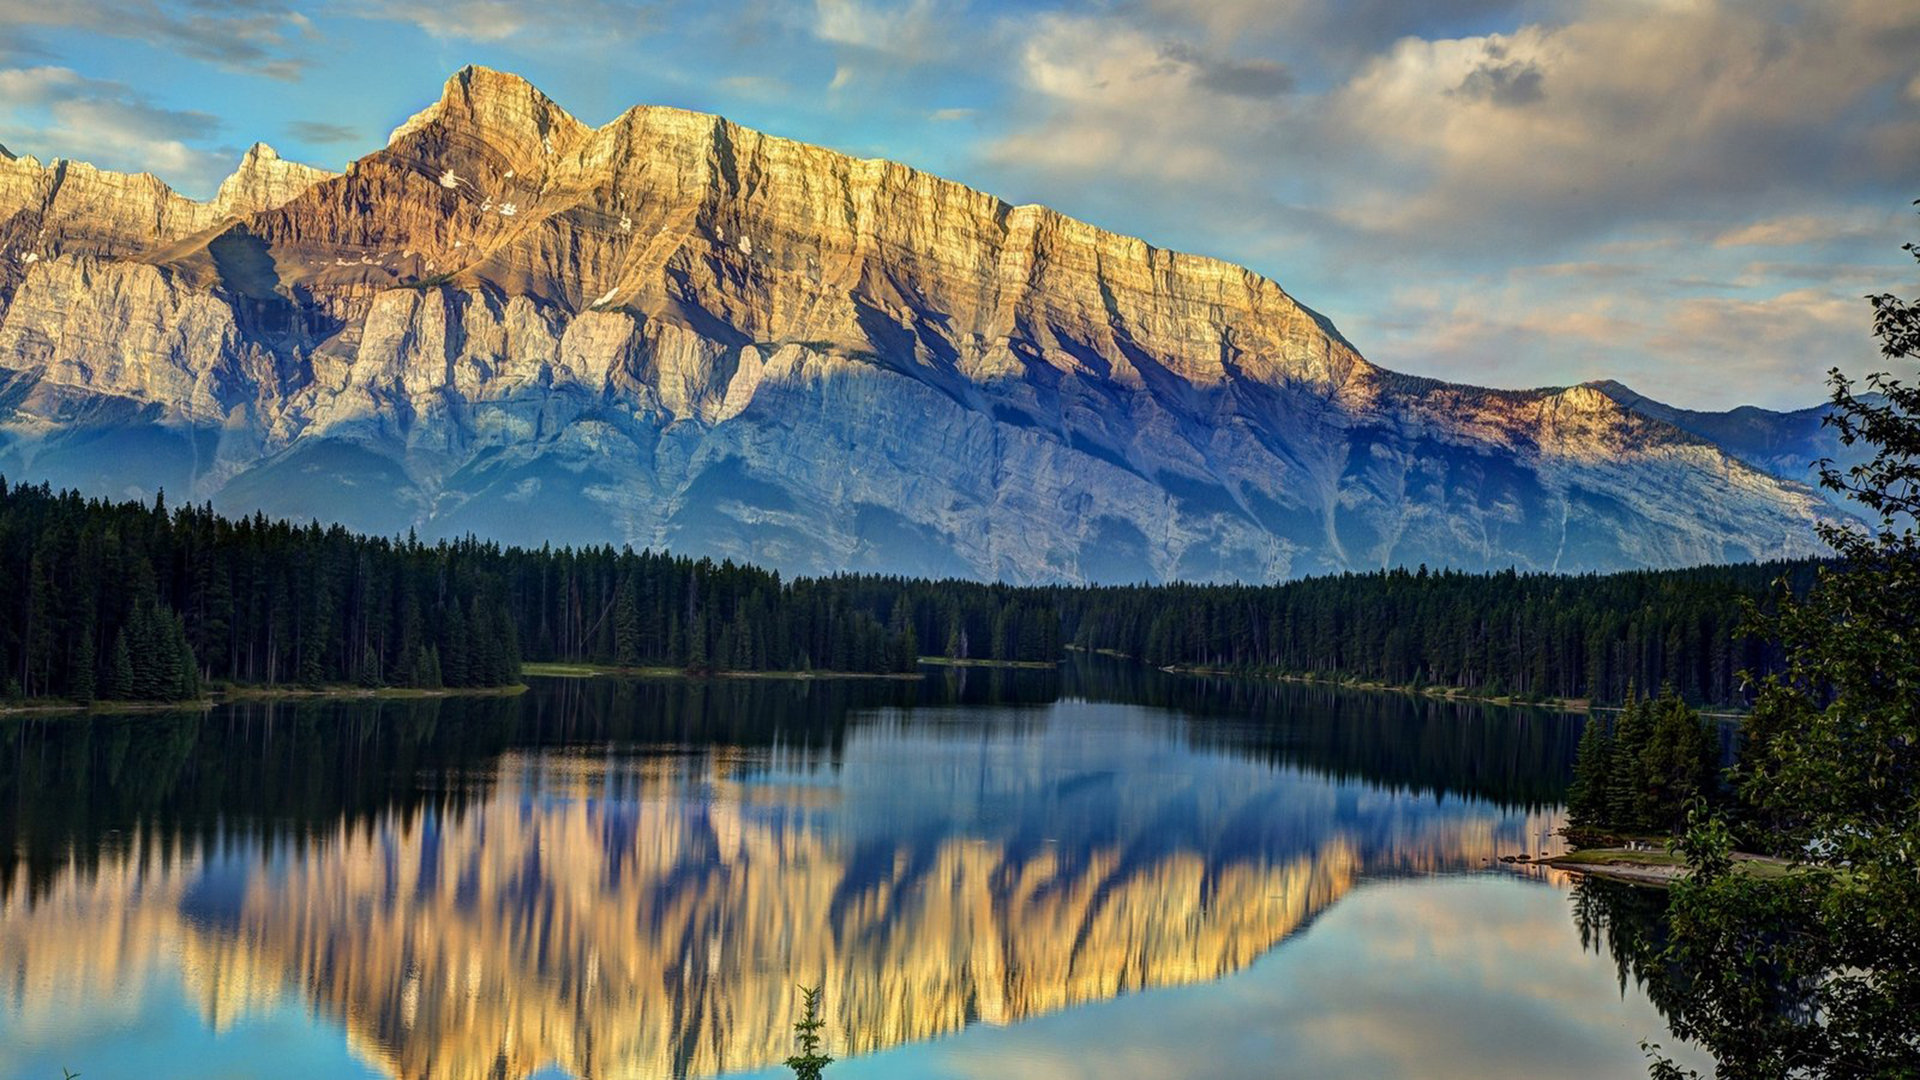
column 672, row 331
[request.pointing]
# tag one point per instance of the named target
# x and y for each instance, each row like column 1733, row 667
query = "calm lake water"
column 1102, row 873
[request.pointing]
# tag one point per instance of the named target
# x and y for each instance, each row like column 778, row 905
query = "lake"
column 1105, row 872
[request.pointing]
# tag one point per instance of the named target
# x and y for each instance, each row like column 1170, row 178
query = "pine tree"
column 120, row 684
column 626, row 626
column 1592, row 770
column 697, row 654
column 956, row 636
column 369, row 666
column 426, row 668
column 1677, row 765
column 1627, row 802
column 809, row 1063
column 183, row 682
column 907, row 649
column 82, row 679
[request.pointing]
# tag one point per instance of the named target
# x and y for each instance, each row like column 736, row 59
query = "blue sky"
column 1691, row 196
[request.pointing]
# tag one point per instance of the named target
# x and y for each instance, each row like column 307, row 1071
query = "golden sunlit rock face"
column 651, row 918
column 670, row 330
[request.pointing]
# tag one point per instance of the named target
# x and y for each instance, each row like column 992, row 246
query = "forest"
column 1643, row 771
column 142, row 601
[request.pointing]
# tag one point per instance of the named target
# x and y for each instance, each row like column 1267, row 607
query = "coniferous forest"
column 140, row 601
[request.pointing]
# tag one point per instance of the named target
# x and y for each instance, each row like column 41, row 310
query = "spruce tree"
column 809, row 1063
column 183, row 683
column 1677, row 765
column 1627, row 802
column 84, row 663
column 1587, row 802
column 120, row 683
column 626, row 626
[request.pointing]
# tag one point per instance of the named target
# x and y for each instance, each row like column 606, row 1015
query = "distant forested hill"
column 142, row 602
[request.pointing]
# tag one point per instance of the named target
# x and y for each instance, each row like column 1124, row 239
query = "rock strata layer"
column 671, row 331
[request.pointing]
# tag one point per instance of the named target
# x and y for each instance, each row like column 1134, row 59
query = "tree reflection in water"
column 621, row 876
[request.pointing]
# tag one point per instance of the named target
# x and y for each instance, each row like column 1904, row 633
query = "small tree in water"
column 809, row 1062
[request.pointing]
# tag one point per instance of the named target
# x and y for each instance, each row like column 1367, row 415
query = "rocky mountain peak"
column 263, row 181
column 676, row 332
column 504, row 113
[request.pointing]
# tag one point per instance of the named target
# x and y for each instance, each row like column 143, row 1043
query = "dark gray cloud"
column 1336, row 31
column 1504, row 82
column 322, row 132
column 1257, row 78
column 1251, row 78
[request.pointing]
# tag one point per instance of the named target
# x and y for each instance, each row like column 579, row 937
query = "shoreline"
column 615, row 671
column 1651, row 869
column 962, row 662
column 1438, row 693
column 235, row 694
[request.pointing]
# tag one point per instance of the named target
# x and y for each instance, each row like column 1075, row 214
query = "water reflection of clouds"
column 1480, row 978
column 933, row 874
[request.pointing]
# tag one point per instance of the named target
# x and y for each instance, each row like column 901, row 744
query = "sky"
column 1689, row 196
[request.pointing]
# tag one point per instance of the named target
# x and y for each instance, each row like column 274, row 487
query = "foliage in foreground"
column 1817, row 974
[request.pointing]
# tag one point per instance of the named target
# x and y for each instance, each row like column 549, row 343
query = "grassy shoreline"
column 1441, row 693
column 237, row 692
column 1656, row 869
column 1023, row 665
column 617, row 671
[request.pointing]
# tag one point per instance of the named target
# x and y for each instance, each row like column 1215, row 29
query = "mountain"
column 1785, row 444
column 671, row 331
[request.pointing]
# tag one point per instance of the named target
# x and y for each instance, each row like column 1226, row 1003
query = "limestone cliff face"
column 673, row 331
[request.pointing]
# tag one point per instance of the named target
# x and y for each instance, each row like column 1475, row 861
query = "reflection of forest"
column 482, row 888
column 1629, row 923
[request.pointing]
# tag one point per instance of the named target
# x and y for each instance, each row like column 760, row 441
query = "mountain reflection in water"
column 629, row 878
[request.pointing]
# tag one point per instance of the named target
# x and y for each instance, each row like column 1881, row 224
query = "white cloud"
column 60, row 113
column 1634, row 111
column 553, row 22
column 913, row 30
column 1114, row 99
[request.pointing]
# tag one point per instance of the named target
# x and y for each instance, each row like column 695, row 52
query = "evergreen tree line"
column 136, row 601
column 1530, row 636
column 1643, row 771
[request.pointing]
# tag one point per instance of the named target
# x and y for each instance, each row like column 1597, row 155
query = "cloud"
column 555, row 22
column 1653, row 113
column 261, row 36
column 762, row 87
column 1613, row 114
column 65, row 114
column 1112, row 98
column 322, row 132
column 1504, row 82
column 1794, row 230
column 1258, row 78
column 905, row 31
column 1768, row 340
